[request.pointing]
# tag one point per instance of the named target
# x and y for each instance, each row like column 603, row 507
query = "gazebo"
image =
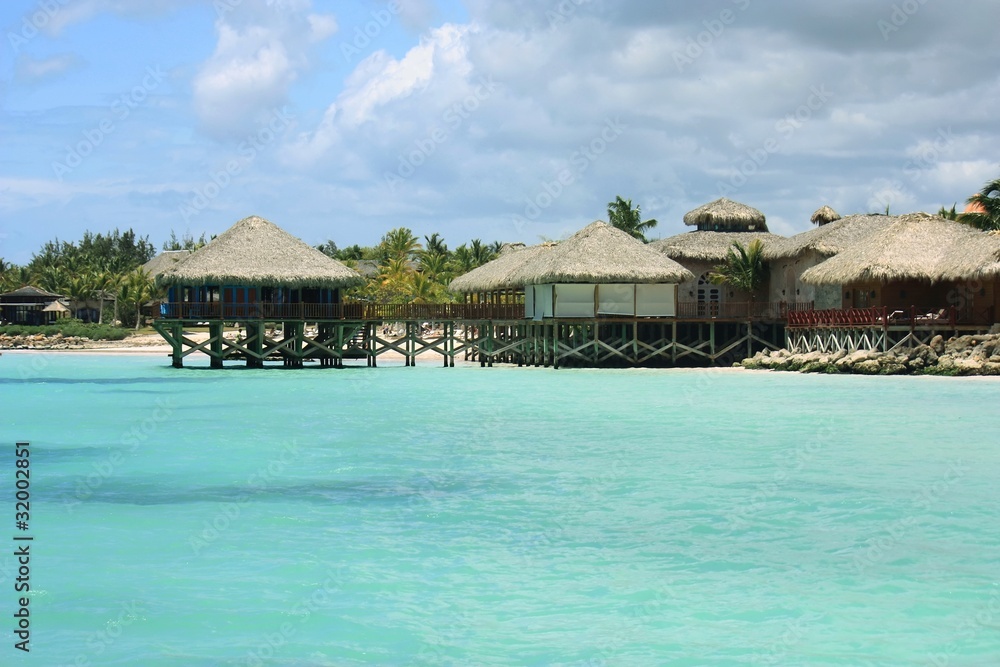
column 252, row 273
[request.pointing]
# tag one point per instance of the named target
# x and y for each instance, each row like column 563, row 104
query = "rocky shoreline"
column 60, row 342
column 962, row 355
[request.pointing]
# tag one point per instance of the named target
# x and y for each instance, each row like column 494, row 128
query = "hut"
column 493, row 281
column 26, row 305
column 920, row 264
column 254, row 269
column 719, row 224
column 251, row 274
column 791, row 257
column 599, row 271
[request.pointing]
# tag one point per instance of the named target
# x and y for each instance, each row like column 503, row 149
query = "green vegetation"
column 99, row 268
column 68, row 328
column 744, row 268
column 402, row 270
column 622, row 215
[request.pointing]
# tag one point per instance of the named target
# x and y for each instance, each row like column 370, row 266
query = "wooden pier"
column 878, row 328
column 330, row 334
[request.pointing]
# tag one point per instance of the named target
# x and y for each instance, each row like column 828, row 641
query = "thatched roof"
column 257, row 252
column 56, row 307
column 600, row 253
column 824, row 215
column 497, row 274
column 707, row 246
column 726, row 214
column 31, row 291
column 164, row 261
column 831, row 238
column 916, row 246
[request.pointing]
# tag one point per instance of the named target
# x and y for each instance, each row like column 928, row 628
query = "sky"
column 509, row 121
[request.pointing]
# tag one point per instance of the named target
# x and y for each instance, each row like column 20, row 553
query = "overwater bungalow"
column 599, row 271
column 790, row 257
column 255, row 269
column 718, row 225
column 252, row 273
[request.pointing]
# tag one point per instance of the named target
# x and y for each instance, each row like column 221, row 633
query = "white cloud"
column 29, row 70
column 260, row 52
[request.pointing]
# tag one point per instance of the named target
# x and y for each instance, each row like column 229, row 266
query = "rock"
column 867, row 367
column 937, row 344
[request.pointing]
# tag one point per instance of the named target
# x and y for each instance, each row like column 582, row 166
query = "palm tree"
column 134, row 290
column 948, row 214
column 399, row 243
column 463, row 260
column 628, row 219
column 434, row 266
column 481, row 253
column 987, row 201
column 743, row 268
column 435, row 244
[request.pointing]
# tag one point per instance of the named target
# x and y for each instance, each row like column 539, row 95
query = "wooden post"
column 177, row 331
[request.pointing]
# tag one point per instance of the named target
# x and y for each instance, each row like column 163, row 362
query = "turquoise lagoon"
column 503, row 516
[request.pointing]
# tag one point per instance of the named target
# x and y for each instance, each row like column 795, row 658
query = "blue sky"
column 496, row 120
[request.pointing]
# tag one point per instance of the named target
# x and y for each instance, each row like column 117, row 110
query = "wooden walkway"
column 484, row 333
column 877, row 329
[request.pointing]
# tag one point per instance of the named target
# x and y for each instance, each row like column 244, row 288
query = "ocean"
column 503, row 516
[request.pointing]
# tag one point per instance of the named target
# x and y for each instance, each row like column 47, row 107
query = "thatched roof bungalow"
column 791, row 257
column 600, row 270
column 255, row 261
column 923, row 261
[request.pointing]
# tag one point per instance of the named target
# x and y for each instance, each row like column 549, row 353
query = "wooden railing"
column 398, row 312
column 913, row 316
column 340, row 311
column 740, row 310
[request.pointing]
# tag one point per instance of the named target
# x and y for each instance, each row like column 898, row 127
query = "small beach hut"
column 254, row 268
column 923, row 261
column 26, row 304
column 599, row 271
column 719, row 224
column 790, row 257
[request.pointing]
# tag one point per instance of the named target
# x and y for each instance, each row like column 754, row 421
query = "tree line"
column 400, row 268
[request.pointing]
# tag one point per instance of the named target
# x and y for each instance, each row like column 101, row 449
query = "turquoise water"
column 502, row 516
